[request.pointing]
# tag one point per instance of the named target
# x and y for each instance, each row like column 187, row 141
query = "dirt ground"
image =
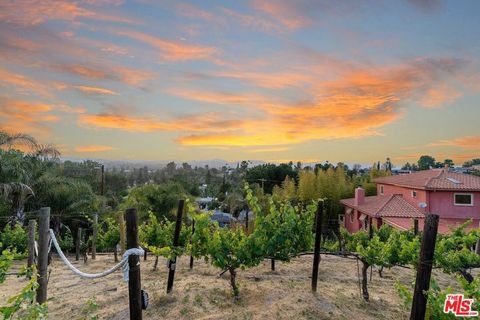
column 201, row 294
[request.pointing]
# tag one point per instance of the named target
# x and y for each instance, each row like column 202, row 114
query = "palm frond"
column 8, row 188
column 46, row 151
column 9, row 140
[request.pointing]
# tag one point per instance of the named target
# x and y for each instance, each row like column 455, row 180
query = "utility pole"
column 102, row 184
column 263, row 184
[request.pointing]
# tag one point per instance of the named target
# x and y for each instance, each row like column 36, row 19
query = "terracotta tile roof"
column 445, row 225
column 385, row 206
column 435, row 179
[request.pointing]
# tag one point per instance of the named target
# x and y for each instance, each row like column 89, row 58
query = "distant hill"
column 157, row 164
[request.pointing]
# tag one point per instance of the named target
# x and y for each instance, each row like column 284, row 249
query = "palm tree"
column 67, row 197
column 15, row 176
column 18, row 171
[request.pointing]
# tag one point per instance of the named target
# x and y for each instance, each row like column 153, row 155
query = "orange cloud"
column 34, row 12
column 22, row 116
column 201, row 122
column 126, row 75
column 97, row 90
column 279, row 149
column 440, row 95
column 219, row 97
column 172, row 51
column 468, row 142
column 356, row 104
column 93, row 148
column 23, row 85
column 285, row 12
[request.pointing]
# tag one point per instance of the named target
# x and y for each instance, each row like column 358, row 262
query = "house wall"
column 422, row 195
column 352, row 226
column 356, row 225
column 442, row 203
column 439, row 202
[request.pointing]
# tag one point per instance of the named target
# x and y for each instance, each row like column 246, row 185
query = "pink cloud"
column 171, row 50
column 34, row 12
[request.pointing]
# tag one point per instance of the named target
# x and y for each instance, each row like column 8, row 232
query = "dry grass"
column 201, row 294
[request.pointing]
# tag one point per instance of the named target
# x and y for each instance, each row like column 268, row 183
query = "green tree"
column 160, row 199
column 426, row 162
column 448, row 163
column 269, row 175
column 307, row 186
column 472, row 162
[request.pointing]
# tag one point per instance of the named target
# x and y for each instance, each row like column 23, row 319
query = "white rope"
column 122, row 264
column 49, row 244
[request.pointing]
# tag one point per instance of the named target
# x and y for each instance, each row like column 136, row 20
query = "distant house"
column 243, row 215
column 224, row 219
column 203, row 203
column 400, row 199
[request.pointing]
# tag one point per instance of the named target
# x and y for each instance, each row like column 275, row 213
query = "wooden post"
column 193, row 231
column 42, row 259
column 31, row 243
column 145, row 255
column 115, row 253
column 370, row 227
column 415, row 227
column 121, row 228
column 272, row 264
column 424, row 271
column 318, row 238
column 246, row 222
column 134, row 284
column 477, row 246
column 94, row 236
column 176, row 236
column 77, row 244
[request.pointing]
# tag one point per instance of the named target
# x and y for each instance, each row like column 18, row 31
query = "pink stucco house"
column 400, row 199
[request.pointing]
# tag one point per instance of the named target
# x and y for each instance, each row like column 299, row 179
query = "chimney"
column 359, row 196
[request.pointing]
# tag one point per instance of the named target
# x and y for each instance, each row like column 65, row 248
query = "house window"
column 414, row 193
column 349, row 213
column 463, row 199
column 381, row 190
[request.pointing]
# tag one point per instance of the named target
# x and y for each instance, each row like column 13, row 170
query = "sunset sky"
column 354, row 81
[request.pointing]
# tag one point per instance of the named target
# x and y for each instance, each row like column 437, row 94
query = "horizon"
column 310, row 81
